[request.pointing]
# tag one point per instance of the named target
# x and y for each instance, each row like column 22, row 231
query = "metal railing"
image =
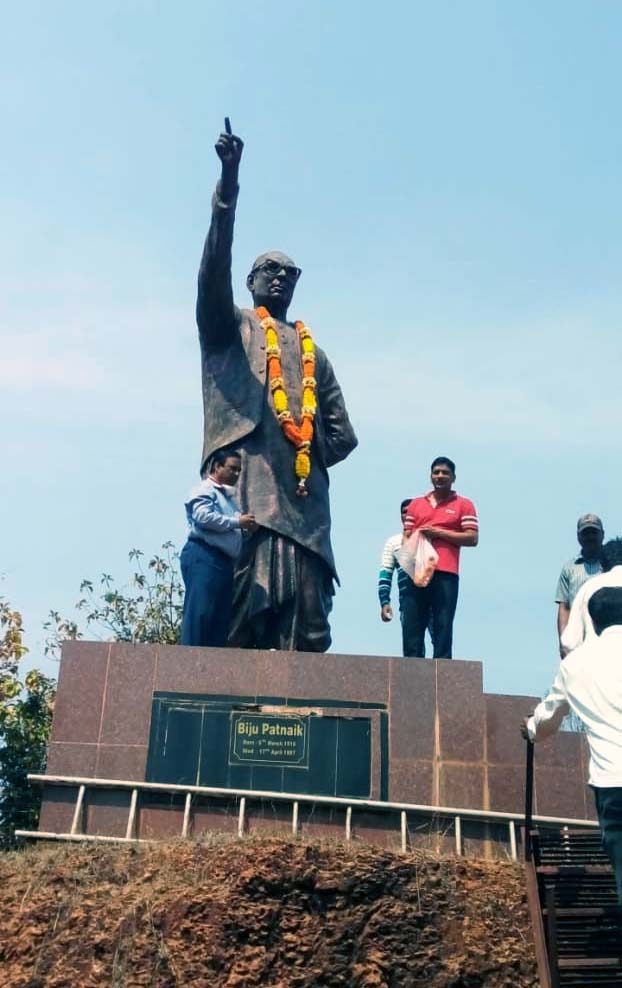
column 455, row 815
column 529, row 800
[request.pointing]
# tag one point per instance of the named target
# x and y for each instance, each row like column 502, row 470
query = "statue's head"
column 272, row 282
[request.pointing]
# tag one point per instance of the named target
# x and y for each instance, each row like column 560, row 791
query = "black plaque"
column 269, row 739
column 191, row 743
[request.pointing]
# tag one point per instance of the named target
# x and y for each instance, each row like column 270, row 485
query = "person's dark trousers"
column 414, row 617
column 208, row 577
column 433, row 606
column 609, row 809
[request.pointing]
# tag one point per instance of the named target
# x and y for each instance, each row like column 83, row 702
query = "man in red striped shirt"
column 449, row 521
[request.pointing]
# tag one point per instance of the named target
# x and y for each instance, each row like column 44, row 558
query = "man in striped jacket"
column 389, row 565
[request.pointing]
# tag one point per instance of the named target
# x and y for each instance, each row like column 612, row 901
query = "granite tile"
column 382, row 829
column 462, row 785
column 79, row 697
column 588, row 794
column 121, row 761
column 107, row 812
column 589, row 804
column 266, row 817
column 315, row 820
column 214, row 815
column 410, row 781
column 229, row 671
column 563, row 750
column 159, row 821
column 506, row 788
column 429, row 838
column 57, row 809
column 412, row 709
column 272, row 673
column 71, row 759
column 559, row 792
column 504, row 714
column 129, row 694
column 485, row 840
column 358, row 678
column 461, row 710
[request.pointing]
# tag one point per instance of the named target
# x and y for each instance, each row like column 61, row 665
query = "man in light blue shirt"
column 214, row 543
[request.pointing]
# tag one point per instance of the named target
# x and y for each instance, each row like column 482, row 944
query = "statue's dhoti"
column 283, row 595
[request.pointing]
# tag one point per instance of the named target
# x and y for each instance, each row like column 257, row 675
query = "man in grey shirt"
column 578, row 570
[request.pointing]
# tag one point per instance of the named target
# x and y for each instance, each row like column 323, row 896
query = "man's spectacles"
column 273, row 268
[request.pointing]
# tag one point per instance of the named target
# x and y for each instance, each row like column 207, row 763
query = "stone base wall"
column 445, row 742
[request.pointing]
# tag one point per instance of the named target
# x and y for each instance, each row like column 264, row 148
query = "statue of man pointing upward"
column 271, row 394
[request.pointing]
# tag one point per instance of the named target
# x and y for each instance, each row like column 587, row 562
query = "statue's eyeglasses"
column 272, row 268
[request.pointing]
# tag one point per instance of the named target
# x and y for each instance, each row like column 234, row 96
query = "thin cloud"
column 531, row 384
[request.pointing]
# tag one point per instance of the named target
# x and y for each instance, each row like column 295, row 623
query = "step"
column 593, row 978
column 567, row 842
column 587, row 963
column 568, row 870
column 580, row 891
column 586, row 912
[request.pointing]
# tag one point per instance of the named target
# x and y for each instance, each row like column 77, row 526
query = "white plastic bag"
column 418, row 558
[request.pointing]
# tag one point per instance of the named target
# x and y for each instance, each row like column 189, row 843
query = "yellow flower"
column 280, row 400
column 303, row 465
column 308, row 398
column 279, row 394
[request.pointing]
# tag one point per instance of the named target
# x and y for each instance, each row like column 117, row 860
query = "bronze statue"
column 284, row 579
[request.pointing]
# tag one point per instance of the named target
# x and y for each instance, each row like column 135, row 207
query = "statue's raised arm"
column 271, row 396
column 217, row 316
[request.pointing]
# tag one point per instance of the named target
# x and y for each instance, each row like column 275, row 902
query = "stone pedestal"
column 404, row 730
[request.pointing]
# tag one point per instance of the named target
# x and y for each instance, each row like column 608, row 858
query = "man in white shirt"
column 579, row 627
column 589, row 682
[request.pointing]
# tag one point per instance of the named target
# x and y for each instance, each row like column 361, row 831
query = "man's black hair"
column 443, row 461
column 611, row 554
column 405, row 503
column 605, row 607
column 219, row 458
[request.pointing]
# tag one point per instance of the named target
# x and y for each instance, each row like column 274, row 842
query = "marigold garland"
column 300, row 435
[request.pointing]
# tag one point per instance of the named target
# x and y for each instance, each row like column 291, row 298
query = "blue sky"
column 448, row 178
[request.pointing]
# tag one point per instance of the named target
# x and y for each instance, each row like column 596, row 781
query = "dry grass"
column 260, row 911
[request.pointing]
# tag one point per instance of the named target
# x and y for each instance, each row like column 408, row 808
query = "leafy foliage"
column 148, row 611
column 25, row 718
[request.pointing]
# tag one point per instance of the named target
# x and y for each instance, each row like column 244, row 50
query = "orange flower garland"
column 299, row 435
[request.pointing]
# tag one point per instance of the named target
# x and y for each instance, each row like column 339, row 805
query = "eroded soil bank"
column 260, row 912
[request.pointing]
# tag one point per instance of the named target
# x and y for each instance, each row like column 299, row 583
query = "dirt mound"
column 270, row 912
